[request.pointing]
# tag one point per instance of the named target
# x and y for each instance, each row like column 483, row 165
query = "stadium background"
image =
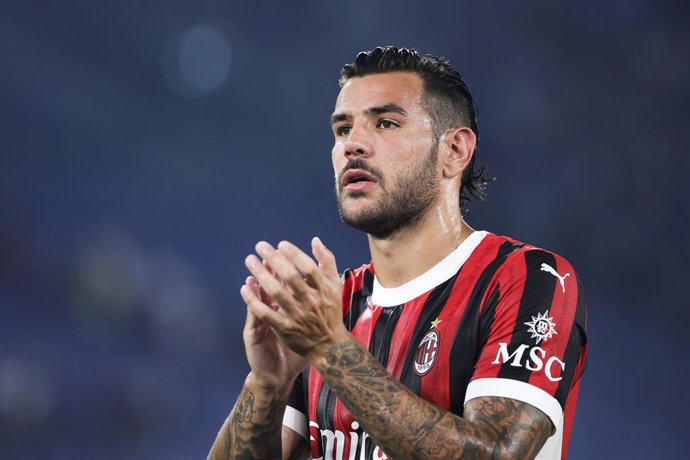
column 145, row 147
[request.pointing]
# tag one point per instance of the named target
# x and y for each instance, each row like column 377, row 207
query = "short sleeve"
column 534, row 345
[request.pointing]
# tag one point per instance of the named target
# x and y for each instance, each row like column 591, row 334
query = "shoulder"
column 521, row 259
column 533, row 282
column 526, row 279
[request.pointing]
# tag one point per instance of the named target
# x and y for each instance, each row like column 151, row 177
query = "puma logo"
column 549, row 269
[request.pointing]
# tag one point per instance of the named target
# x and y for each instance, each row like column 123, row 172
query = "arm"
column 295, row 447
column 402, row 424
column 253, row 428
column 405, row 426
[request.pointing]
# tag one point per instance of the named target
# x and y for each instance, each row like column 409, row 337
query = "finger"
column 264, row 279
column 259, row 311
column 260, row 293
column 274, row 289
column 326, row 259
column 253, row 285
column 305, row 264
column 270, row 269
column 252, row 321
column 285, row 268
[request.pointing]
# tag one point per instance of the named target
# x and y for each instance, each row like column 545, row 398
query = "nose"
column 357, row 144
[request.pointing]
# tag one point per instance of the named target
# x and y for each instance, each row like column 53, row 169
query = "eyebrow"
column 376, row 110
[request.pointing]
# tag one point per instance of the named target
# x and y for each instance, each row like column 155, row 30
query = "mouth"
column 357, row 179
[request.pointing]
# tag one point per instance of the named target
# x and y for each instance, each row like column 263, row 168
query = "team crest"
column 542, row 327
column 427, row 352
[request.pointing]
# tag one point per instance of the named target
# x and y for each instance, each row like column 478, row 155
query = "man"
column 452, row 343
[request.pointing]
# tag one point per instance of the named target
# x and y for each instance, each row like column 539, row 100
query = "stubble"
column 403, row 203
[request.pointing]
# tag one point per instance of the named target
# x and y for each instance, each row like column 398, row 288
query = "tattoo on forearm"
column 245, row 411
column 252, row 430
column 404, row 426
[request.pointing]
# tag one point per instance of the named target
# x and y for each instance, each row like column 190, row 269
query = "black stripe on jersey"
column 472, row 331
column 577, row 339
column 486, row 321
column 359, row 300
column 325, row 406
column 297, row 399
column 305, row 389
column 537, row 296
column 380, row 344
column 430, row 311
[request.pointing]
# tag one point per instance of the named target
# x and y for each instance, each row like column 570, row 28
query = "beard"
column 399, row 209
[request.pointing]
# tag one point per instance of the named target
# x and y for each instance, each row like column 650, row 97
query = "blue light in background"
column 198, row 62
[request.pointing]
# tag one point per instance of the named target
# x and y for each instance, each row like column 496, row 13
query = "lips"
column 356, row 176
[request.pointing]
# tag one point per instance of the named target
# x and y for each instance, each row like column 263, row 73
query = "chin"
column 368, row 219
column 356, row 208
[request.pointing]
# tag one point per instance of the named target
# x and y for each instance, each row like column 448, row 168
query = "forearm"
column 402, row 424
column 253, row 428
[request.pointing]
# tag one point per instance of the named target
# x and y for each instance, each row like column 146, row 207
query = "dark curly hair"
column 446, row 97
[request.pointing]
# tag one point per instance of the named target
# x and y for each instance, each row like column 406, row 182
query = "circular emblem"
column 541, row 327
column 427, row 351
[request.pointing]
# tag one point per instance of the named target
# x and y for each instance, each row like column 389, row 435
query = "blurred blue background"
column 146, row 146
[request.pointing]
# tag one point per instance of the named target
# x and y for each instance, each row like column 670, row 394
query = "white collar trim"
column 442, row 271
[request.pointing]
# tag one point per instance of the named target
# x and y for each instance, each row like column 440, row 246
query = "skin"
column 295, row 317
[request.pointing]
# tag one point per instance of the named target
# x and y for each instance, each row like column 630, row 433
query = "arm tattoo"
column 252, row 430
column 406, row 427
column 520, row 430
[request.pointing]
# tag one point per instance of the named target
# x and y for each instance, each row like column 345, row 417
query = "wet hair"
column 446, row 98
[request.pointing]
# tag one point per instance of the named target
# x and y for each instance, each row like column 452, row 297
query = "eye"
column 388, row 124
column 342, row 130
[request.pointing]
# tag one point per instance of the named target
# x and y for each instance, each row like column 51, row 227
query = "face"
column 385, row 154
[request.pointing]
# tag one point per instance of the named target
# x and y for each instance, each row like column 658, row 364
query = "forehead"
column 402, row 88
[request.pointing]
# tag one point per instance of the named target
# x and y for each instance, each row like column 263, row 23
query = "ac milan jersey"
column 496, row 317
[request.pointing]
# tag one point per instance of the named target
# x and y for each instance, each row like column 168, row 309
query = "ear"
column 460, row 143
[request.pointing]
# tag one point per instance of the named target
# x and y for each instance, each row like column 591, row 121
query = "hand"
column 309, row 317
column 273, row 364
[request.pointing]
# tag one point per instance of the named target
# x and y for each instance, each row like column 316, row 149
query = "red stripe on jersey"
column 569, row 414
column 400, row 343
column 364, row 328
column 315, row 383
column 503, row 326
column 434, row 385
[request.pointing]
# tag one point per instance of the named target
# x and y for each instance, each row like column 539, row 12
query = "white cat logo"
column 548, row 268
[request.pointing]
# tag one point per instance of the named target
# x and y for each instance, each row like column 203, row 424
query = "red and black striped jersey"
column 496, row 317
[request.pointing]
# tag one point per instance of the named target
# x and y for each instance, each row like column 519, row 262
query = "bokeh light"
column 198, row 61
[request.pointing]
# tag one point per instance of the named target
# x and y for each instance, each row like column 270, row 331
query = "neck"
column 410, row 252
